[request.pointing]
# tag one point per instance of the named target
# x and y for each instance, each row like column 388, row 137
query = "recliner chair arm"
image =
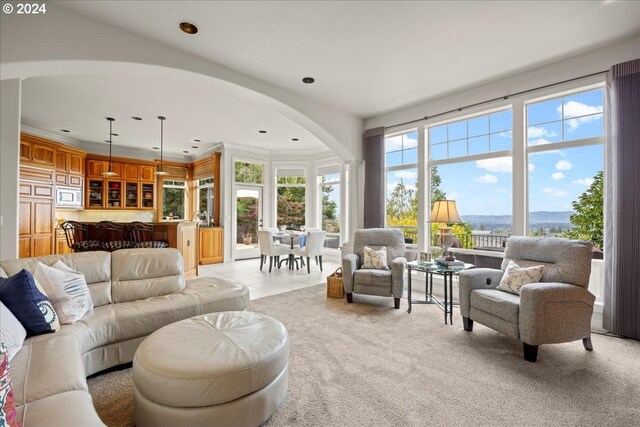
column 552, row 312
column 397, row 276
column 350, row 263
column 477, row 278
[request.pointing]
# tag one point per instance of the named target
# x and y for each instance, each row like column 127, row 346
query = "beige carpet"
column 366, row 364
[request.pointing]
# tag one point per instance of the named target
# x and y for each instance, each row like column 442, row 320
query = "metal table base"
column 447, row 304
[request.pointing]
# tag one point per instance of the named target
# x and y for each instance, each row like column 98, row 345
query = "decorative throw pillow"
column 515, row 277
column 8, row 416
column 376, row 260
column 30, row 306
column 12, row 333
column 67, row 290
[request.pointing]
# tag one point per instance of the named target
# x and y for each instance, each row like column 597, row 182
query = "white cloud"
column 486, row 179
column 406, row 174
column 541, row 153
column 575, row 108
column 583, row 181
column 392, row 185
column 554, row 192
column 564, row 165
column 453, row 195
column 499, row 164
column 393, row 143
column 532, row 167
column 557, row 176
column 538, row 141
column 539, row 132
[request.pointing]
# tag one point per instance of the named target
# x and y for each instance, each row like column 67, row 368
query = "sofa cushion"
column 96, row 267
column 137, row 274
column 67, row 291
column 515, row 277
column 71, row 408
column 120, row 322
column 30, row 306
column 215, row 294
column 47, row 365
column 372, row 277
column 12, row 333
column 375, row 260
column 497, row 303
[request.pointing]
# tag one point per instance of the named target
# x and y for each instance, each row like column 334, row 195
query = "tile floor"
column 261, row 283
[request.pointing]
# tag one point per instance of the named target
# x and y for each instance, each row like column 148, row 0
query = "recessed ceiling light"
column 156, row 148
column 136, row 118
column 308, row 80
column 185, row 151
column 262, row 131
column 188, row 27
column 196, row 140
column 294, row 139
column 65, row 130
column 194, row 146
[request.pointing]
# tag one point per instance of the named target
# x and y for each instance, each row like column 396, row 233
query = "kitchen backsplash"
column 105, row 215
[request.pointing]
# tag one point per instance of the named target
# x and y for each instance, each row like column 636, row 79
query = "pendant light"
column 110, row 173
column 160, row 170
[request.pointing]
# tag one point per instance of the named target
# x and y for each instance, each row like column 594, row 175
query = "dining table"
column 295, row 236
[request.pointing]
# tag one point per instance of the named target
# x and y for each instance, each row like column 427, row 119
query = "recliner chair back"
column 375, row 238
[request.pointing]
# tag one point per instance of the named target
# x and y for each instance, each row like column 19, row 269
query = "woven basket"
column 335, row 287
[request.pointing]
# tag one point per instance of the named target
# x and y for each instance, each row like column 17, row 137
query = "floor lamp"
column 445, row 212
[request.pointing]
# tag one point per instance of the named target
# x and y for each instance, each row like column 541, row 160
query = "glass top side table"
column 446, row 305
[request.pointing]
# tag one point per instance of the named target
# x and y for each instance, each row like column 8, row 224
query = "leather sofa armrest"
column 397, row 276
column 477, row 278
column 552, row 312
column 350, row 263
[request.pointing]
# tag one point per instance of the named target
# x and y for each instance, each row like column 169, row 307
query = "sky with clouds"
column 484, row 187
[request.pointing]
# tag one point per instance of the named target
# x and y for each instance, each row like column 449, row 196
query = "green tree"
column 330, row 220
column 436, row 192
column 587, row 222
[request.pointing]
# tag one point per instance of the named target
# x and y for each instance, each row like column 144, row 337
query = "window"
column 566, row 157
column 487, row 133
column 173, row 196
column 205, row 196
column 567, row 118
column 401, row 170
column 291, row 191
column 329, row 191
column 249, row 173
column 469, row 165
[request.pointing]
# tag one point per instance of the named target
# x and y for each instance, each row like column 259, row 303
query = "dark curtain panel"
column 622, row 201
column 374, row 194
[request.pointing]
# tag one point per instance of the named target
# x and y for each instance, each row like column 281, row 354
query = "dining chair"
column 313, row 248
column 142, row 233
column 269, row 249
column 77, row 236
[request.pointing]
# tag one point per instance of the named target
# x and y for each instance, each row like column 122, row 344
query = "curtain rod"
column 488, row 101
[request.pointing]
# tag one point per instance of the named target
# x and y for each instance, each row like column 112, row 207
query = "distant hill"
column 540, row 217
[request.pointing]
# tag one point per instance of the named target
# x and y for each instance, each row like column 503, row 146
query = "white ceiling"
column 212, row 112
column 369, row 58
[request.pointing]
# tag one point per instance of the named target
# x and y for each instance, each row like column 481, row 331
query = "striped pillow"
column 67, row 290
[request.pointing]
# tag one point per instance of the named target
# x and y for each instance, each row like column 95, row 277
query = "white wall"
column 586, row 63
column 66, row 42
column 9, row 166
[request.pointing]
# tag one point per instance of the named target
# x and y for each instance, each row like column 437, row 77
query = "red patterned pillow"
column 7, row 403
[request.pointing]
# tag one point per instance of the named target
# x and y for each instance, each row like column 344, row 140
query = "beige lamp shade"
column 445, row 211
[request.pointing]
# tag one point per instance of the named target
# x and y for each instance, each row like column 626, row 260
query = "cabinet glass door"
column 114, row 194
column 147, row 196
column 95, row 192
column 131, row 195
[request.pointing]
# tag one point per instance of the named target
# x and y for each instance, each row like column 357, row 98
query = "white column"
column 520, row 172
column 353, row 202
column 423, row 191
column 9, row 166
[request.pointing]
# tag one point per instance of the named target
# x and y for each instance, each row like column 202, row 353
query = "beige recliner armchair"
column 557, row 309
column 386, row 283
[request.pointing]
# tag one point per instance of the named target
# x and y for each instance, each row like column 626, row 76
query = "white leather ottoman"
column 218, row 369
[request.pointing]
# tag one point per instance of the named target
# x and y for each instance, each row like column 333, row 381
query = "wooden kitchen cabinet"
column 95, row 168
column 148, row 173
column 61, row 243
column 131, row 172
column 211, row 245
column 188, row 244
column 37, row 151
column 35, row 228
column 69, row 161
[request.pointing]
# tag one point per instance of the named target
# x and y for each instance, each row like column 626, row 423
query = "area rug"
column 367, row 364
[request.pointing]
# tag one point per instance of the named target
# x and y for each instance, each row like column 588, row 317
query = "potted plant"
column 247, row 238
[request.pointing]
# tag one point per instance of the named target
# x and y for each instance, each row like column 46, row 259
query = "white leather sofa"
column 134, row 292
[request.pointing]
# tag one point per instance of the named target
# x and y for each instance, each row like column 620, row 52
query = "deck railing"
column 487, row 241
